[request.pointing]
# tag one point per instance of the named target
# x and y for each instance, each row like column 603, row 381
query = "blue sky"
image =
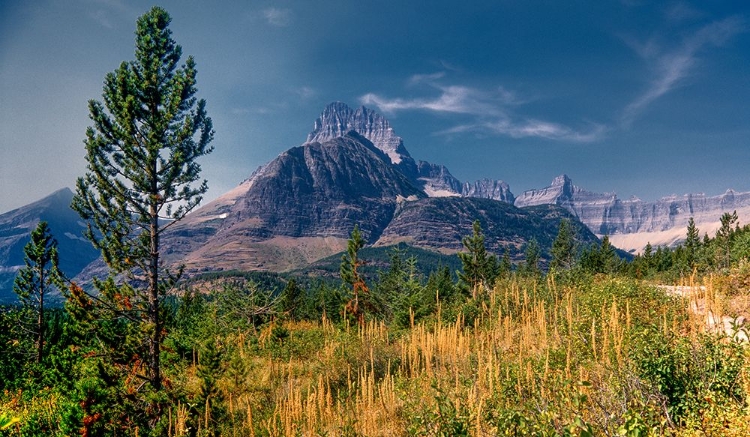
column 628, row 96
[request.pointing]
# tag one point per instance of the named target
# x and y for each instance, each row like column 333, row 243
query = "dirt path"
column 700, row 305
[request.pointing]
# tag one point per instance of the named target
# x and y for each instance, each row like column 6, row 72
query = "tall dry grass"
column 557, row 354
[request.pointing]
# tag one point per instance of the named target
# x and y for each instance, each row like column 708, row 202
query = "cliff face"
column 352, row 170
column 298, row 208
column 632, row 223
column 338, row 119
column 488, row 189
column 434, row 180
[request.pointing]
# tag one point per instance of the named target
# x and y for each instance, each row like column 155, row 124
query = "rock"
column 488, row 189
column 662, row 222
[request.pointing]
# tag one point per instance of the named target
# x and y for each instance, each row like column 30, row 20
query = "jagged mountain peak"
column 559, row 192
column 562, row 180
column 488, row 189
column 338, row 118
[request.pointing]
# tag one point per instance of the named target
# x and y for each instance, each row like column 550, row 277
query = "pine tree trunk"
column 40, row 317
column 153, row 299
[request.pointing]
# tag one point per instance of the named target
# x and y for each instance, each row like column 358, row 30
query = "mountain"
column 65, row 225
column 434, row 180
column 296, row 209
column 488, row 189
column 632, row 223
column 352, row 170
column 441, row 223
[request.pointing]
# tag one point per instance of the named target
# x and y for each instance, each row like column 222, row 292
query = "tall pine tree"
column 478, row 267
column 142, row 170
column 692, row 244
column 36, row 280
column 350, row 273
column 564, row 247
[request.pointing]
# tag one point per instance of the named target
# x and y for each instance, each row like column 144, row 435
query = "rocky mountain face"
column 632, row 223
column 298, row 208
column 434, row 180
column 440, row 224
column 65, row 225
column 338, row 119
column 488, row 189
column 352, row 170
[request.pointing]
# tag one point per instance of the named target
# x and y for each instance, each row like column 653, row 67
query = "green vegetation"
column 591, row 349
column 588, row 348
column 35, row 283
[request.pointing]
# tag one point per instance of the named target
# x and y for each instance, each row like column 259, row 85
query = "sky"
column 634, row 97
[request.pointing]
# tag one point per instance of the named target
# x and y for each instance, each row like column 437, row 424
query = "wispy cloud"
column 422, row 78
column 110, row 13
column 493, row 111
column 531, row 128
column 681, row 11
column 455, row 99
column 277, row 17
column 101, row 17
column 671, row 66
column 305, row 92
column 548, row 130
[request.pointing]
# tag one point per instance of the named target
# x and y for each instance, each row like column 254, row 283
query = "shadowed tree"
column 564, row 247
column 478, row 267
column 36, row 280
column 532, row 255
column 143, row 175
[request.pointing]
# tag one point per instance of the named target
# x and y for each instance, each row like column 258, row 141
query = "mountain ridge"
column 354, row 170
column 632, row 223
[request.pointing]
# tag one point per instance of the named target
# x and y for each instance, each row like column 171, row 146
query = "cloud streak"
column 498, row 111
column 277, row 17
column 493, row 110
column 454, row 99
column 532, row 128
column 672, row 66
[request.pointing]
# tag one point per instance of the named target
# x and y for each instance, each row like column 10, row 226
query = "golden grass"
column 551, row 353
column 547, row 354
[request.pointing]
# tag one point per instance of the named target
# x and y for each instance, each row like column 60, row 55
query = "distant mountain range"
column 354, row 170
column 633, row 223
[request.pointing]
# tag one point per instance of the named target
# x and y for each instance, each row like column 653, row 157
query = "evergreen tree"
column 505, row 266
column 440, row 286
column 35, row 281
column 532, row 255
column 291, row 299
column 477, row 266
column 350, row 273
column 648, row 256
column 141, row 154
column 608, row 256
column 729, row 224
column 692, row 244
column 564, row 246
